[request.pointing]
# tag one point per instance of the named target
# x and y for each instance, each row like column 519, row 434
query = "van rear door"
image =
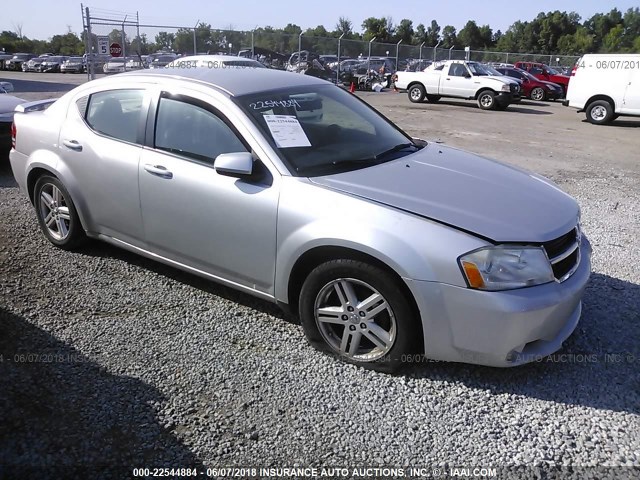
column 631, row 102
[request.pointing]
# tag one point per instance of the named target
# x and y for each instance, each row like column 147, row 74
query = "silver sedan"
column 292, row 189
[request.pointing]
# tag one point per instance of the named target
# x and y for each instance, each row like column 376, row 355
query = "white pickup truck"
column 459, row 79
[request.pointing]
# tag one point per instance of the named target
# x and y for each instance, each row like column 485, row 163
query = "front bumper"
column 500, row 329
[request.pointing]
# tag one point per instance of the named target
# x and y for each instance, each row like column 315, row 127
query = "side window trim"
column 152, row 120
column 83, row 104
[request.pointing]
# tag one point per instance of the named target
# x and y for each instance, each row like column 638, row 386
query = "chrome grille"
column 564, row 254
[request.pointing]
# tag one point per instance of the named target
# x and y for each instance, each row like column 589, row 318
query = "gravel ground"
column 107, row 358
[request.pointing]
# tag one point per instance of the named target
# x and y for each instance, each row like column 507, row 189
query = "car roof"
column 235, row 81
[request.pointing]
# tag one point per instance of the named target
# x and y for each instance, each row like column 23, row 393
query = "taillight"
column 14, row 131
column 574, row 69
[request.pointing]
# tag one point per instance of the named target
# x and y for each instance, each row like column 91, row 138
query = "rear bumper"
column 500, row 329
column 565, row 102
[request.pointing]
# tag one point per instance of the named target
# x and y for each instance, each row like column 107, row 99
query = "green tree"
column 433, row 34
column 404, row 31
column 381, row 28
column 613, row 40
column 68, row 44
column 470, row 36
column 449, row 37
column 345, row 26
column 165, row 41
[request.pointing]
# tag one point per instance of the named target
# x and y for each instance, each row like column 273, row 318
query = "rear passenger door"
column 100, row 144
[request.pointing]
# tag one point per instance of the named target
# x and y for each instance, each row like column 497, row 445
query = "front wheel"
column 537, row 94
column 358, row 312
column 416, row 93
column 486, row 100
column 599, row 112
column 57, row 214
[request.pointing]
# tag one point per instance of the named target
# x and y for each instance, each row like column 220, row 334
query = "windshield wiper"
column 397, row 148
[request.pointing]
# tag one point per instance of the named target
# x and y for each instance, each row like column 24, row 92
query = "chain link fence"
column 272, row 48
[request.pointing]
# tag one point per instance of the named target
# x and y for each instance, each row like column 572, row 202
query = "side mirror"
column 237, row 164
column 467, row 75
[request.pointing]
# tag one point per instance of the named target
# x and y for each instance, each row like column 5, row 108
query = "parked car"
column 383, row 244
column 15, row 62
column 74, row 65
column 34, row 64
column 162, row 61
column 3, row 58
column 459, row 79
column 605, row 86
column 546, row 73
column 115, row 65
column 214, row 62
column 7, row 87
column 8, row 103
column 52, row 64
column 533, row 88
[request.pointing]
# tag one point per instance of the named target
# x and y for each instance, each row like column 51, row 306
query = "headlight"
column 506, row 88
column 506, row 267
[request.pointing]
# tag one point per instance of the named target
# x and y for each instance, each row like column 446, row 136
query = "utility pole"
column 92, row 73
column 338, row 69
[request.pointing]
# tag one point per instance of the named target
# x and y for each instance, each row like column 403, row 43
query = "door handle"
column 72, row 144
column 158, row 170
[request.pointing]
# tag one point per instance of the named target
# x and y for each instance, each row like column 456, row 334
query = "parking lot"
column 107, row 358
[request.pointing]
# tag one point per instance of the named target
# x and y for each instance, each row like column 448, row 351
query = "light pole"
column 299, row 51
column 195, row 45
column 338, row 69
column 369, row 57
column 124, row 44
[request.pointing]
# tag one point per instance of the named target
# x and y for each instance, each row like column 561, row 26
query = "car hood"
column 482, row 196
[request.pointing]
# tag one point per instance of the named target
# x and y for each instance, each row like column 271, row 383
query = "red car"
column 533, row 88
column 546, row 73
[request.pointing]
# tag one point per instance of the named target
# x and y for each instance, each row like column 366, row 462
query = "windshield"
column 491, row 70
column 322, row 129
column 552, row 71
column 477, row 69
column 528, row 75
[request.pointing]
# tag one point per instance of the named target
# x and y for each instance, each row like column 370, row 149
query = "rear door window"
column 116, row 113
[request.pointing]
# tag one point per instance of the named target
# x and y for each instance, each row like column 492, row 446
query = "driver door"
column 458, row 82
column 222, row 225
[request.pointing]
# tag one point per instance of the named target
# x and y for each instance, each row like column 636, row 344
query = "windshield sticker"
column 261, row 104
column 286, row 131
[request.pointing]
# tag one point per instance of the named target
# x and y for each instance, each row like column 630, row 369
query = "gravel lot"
column 109, row 359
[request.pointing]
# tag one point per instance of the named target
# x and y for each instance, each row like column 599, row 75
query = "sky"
column 41, row 19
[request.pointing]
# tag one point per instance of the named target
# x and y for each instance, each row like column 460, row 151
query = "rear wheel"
column 416, row 93
column 599, row 112
column 537, row 94
column 487, row 100
column 57, row 214
column 358, row 312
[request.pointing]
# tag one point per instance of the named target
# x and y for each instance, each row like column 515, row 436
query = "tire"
column 433, row 98
column 487, row 100
column 333, row 324
column 538, row 94
column 416, row 93
column 599, row 112
column 57, row 214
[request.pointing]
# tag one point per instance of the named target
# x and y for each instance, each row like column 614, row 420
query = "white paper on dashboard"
column 286, row 131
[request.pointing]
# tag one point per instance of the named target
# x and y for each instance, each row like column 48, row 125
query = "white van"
column 605, row 86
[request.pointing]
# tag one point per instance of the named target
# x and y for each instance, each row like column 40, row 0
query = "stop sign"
column 115, row 49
